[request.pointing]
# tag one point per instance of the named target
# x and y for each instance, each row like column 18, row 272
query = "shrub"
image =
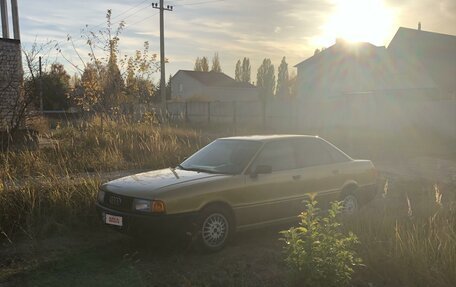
column 317, row 252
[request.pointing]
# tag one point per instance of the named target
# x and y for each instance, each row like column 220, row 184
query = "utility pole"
column 41, row 83
column 162, row 51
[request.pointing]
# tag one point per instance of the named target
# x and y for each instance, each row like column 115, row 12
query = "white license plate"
column 113, row 220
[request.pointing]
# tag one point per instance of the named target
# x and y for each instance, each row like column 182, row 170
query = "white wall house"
column 410, row 84
column 210, row 86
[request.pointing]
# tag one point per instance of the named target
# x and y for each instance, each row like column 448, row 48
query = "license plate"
column 113, row 220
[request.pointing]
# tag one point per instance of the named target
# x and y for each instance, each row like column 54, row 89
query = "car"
column 237, row 183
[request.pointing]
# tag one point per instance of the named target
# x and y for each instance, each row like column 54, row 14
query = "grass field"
column 50, row 234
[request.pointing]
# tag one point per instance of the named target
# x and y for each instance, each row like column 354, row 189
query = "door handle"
column 296, row 177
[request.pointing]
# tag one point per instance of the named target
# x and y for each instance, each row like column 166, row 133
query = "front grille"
column 118, row 202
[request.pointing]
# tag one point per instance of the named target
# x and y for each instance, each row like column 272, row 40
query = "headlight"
column 142, row 205
column 101, row 196
column 154, row 206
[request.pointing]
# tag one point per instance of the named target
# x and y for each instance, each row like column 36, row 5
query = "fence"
column 372, row 111
column 275, row 114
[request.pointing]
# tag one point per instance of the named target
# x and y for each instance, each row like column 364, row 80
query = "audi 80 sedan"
column 238, row 183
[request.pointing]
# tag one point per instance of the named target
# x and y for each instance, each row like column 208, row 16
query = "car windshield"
column 222, row 156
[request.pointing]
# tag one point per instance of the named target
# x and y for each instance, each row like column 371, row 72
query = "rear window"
column 310, row 152
column 336, row 154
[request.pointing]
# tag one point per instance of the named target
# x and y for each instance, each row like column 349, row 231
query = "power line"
column 128, row 10
column 196, row 3
column 199, row 3
column 143, row 19
column 141, row 9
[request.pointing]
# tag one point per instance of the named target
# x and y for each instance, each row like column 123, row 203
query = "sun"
column 358, row 21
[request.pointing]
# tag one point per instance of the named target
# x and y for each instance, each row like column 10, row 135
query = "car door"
column 266, row 196
column 319, row 173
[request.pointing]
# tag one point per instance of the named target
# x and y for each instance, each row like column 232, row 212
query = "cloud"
column 236, row 28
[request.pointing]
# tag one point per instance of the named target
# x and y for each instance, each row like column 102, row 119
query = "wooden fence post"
column 186, row 112
column 208, row 112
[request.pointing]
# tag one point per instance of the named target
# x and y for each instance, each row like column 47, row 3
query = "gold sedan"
column 238, row 183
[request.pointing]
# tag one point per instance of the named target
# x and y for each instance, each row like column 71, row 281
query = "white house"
column 408, row 85
column 210, row 86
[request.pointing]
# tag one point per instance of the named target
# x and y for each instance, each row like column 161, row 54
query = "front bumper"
column 137, row 223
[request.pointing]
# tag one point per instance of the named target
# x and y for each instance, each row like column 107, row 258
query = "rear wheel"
column 350, row 204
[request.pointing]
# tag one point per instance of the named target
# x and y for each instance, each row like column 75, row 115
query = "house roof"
column 428, row 53
column 215, row 79
column 347, row 68
column 342, row 47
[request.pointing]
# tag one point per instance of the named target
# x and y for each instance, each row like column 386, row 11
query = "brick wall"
column 10, row 79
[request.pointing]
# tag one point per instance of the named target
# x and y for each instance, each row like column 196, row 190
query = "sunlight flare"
column 358, row 21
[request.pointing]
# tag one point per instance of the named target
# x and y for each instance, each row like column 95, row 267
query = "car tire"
column 214, row 229
column 350, row 204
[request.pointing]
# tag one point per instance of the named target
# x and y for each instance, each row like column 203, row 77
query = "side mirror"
column 261, row 169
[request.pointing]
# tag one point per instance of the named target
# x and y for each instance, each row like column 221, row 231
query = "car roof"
column 267, row 138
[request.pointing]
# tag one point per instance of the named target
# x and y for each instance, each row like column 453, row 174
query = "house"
column 343, row 68
column 429, row 56
column 415, row 61
column 410, row 84
column 210, row 86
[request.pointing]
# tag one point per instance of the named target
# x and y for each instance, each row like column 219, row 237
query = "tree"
column 198, row 66
column 204, row 64
column 266, row 79
column 201, row 65
column 238, row 71
column 56, row 87
column 110, row 81
column 22, row 91
column 86, row 95
column 140, row 67
column 266, row 84
column 283, row 89
column 246, row 70
column 216, row 64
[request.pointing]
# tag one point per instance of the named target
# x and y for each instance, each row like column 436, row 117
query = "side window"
column 310, row 152
column 279, row 155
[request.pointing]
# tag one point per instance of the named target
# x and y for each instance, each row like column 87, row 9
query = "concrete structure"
column 210, row 86
column 10, row 67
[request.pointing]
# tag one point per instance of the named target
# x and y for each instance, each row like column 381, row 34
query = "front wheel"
column 215, row 229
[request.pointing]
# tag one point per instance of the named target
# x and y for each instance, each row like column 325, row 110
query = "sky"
column 235, row 29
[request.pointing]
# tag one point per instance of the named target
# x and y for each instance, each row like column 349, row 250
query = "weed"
column 317, row 252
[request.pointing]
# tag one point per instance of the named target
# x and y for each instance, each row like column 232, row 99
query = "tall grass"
column 408, row 236
column 47, row 190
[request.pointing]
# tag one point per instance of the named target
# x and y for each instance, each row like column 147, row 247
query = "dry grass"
column 47, row 189
column 408, row 236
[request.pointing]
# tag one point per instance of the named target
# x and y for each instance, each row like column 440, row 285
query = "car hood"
column 152, row 182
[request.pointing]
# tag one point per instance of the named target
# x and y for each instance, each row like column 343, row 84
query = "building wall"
column 10, row 79
column 381, row 112
column 185, row 88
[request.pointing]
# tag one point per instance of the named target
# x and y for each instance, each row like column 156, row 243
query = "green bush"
column 317, row 252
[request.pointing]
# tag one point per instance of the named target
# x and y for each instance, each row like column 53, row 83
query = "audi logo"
column 115, row 200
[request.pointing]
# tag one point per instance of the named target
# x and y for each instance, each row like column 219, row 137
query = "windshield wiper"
column 181, row 167
column 200, row 170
